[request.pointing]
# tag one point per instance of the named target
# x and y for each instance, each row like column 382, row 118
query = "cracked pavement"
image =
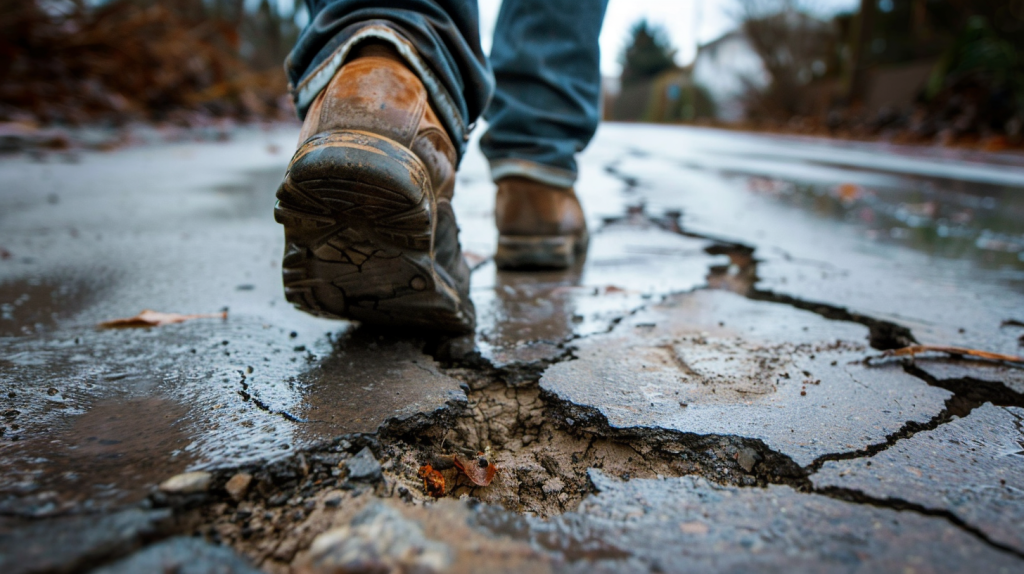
column 692, row 397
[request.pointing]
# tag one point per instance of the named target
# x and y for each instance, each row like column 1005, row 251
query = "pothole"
column 542, row 464
column 542, row 448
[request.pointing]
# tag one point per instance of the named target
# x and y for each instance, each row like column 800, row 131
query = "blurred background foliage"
column 77, row 62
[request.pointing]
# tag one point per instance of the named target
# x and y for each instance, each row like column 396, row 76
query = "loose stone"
column 238, row 486
column 187, row 483
column 363, row 467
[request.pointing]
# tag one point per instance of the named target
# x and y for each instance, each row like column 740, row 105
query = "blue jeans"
column 539, row 92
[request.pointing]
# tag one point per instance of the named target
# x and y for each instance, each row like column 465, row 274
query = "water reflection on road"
column 91, row 417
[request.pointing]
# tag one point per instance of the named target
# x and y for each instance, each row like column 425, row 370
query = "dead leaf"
column 433, row 481
column 849, row 192
column 479, row 470
column 150, row 318
column 694, row 527
column 474, row 260
column 913, row 350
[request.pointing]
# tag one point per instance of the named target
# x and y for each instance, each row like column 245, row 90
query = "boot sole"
column 539, row 251
column 358, row 214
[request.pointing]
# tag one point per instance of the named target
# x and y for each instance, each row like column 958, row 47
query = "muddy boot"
column 366, row 204
column 539, row 226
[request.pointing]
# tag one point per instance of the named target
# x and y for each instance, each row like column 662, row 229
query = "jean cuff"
column 310, row 87
column 554, row 176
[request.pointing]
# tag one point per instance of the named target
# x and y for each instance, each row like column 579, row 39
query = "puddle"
column 530, row 316
column 36, row 304
column 980, row 223
column 112, row 454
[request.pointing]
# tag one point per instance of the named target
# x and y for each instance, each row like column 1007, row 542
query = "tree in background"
column 978, row 83
column 855, row 63
column 648, row 54
column 795, row 48
column 652, row 87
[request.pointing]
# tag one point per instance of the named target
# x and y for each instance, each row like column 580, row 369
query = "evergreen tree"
column 648, row 54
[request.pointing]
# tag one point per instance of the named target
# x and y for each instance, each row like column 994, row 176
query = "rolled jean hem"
column 310, row 87
column 515, row 167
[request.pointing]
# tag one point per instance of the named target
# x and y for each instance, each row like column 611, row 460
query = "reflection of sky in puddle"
column 976, row 222
column 525, row 315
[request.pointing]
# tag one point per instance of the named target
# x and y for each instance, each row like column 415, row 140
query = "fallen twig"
column 914, row 350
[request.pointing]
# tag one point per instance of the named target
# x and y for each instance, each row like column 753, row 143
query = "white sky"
column 688, row 22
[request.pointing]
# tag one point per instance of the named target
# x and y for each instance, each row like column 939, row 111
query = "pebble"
column 747, row 458
column 187, row 483
column 238, row 486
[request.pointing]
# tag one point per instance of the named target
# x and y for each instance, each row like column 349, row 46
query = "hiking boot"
column 366, row 204
column 539, row 226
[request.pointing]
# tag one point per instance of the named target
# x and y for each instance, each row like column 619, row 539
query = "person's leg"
column 546, row 105
column 386, row 94
column 439, row 39
column 545, row 109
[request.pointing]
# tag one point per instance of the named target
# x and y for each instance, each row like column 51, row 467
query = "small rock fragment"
column 187, row 483
column 747, row 458
column 363, row 467
column 238, row 486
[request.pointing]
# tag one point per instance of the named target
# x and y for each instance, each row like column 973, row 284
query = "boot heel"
column 537, row 251
column 359, row 214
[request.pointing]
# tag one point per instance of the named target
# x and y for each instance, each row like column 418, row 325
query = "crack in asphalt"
column 714, row 457
column 262, row 405
column 956, row 407
column 969, row 388
column 968, row 393
column 859, row 497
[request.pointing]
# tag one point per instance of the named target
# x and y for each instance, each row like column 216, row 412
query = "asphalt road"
column 693, row 396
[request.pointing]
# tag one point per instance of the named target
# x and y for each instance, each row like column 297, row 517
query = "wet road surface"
column 709, row 352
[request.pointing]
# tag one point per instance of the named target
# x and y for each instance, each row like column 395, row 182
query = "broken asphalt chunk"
column 972, row 468
column 379, row 539
column 740, row 366
column 181, row 555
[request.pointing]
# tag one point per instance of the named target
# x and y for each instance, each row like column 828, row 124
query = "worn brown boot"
column 366, row 204
column 539, row 226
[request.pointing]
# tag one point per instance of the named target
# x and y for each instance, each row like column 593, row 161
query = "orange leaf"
column 849, row 192
column 480, row 471
column 474, row 260
column 149, row 318
column 433, row 481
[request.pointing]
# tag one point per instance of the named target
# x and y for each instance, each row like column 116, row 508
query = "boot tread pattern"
column 358, row 214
